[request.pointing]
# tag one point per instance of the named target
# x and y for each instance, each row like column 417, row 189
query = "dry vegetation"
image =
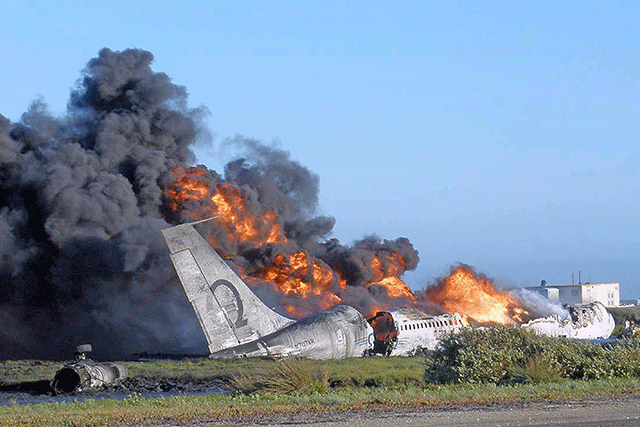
column 494, row 365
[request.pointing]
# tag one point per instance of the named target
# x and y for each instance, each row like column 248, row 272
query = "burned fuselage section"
column 585, row 321
column 407, row 332
column 85, row 374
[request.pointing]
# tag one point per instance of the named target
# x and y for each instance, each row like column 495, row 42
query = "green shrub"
column 540, row 369
column 510, row 355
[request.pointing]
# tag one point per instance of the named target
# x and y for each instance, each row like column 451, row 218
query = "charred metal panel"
column 585, row 321
column 385, row 333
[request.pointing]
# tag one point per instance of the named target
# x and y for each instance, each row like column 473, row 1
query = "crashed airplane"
column 236, row 323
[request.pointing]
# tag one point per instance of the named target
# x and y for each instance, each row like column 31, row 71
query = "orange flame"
column 476, row 299
column 386, row 275
column 227, row 204
column 301, row 275
column 237, row 219
column 242, row 220
column 191, row 185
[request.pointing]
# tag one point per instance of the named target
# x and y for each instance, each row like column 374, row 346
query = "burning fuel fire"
column 98, row 184
column 476, row 299
column 293, row 272
column 308, row 284
column 227, row 203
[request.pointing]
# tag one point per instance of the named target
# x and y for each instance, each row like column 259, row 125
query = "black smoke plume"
column 82, row 203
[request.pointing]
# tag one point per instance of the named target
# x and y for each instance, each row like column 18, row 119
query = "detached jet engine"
column 84, row 374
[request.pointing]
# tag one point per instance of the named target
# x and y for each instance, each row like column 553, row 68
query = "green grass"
column 16, row 371
column 136, row 409
column 292, row 386
column 359, row 372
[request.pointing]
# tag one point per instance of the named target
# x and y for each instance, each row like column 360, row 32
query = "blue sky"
column 503, row 135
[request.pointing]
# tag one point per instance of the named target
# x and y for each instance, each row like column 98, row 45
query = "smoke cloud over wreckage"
column 84, row 197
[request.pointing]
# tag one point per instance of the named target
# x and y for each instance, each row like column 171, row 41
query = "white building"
column 606, row 293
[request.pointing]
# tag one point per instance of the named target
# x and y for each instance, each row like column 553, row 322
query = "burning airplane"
column 84, row 198
column 237, row 323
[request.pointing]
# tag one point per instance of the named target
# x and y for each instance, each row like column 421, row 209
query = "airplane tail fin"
column 229, row 312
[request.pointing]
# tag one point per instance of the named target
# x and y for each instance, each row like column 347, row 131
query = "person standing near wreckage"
column 632, row 329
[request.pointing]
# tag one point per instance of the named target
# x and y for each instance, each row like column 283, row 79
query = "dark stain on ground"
column 30, row 387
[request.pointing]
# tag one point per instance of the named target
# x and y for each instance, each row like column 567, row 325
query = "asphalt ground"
column 623, row 411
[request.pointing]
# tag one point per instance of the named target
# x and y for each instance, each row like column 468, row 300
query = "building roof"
column 564, row 285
